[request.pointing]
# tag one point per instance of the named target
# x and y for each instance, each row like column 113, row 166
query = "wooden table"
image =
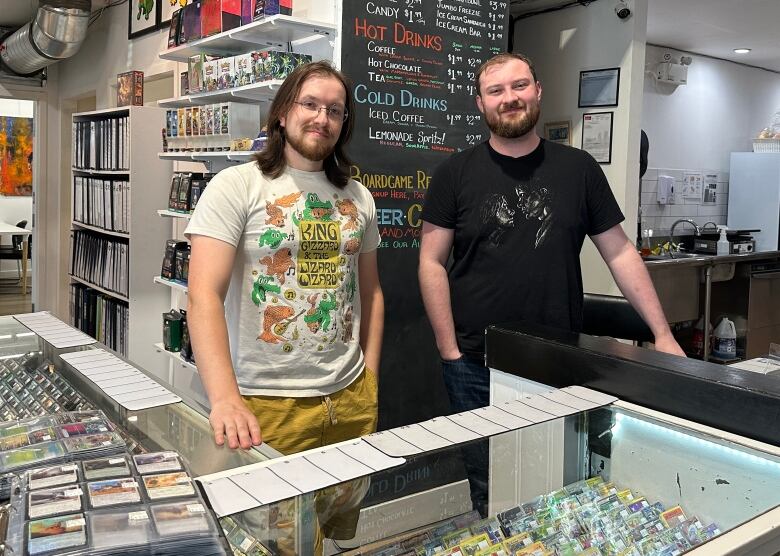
column 10, row 229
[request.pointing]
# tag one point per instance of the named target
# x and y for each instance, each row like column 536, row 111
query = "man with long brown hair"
column 285, row 307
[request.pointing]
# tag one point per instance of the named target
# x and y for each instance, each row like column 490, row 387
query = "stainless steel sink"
column 673, row 257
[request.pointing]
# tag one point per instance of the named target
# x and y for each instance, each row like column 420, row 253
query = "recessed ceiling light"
column 741, row 50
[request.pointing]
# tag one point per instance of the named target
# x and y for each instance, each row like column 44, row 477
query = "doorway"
column 17, row 187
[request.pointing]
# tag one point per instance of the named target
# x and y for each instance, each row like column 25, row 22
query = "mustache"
column 514, row 105
column 321, row 129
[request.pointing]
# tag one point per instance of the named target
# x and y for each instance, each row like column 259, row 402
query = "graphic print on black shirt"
column 519, row 225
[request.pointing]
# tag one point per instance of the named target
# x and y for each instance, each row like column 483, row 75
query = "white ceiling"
column 710, row 27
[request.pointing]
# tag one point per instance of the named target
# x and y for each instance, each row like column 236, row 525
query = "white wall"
column 721, row 108
column 563, row 43
column 15, row 209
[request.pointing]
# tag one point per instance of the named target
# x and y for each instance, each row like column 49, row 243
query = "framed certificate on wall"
column 597, row 136
column 599, row 88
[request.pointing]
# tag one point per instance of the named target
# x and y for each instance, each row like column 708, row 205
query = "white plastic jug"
column 724, row 341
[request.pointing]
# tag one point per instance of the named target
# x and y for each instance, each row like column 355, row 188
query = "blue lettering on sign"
column 364, row 95
column 390, row 216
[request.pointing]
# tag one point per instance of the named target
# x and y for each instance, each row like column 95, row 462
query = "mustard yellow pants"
column 293, row 425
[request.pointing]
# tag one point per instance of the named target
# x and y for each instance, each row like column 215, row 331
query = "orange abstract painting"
column 16, row 148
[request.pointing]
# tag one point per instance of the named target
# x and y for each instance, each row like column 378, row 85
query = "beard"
column 516, row 125
column 316, row 149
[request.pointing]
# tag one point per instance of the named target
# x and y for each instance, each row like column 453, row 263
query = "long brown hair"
column 271, row 159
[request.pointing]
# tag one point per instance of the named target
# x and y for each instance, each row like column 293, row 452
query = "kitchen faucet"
column 696, row 231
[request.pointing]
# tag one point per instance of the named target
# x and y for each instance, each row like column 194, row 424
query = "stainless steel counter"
column 704, row 260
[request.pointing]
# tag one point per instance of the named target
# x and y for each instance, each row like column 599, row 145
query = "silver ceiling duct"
column 56, row 33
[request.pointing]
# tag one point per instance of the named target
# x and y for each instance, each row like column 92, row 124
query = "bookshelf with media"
column 118, row 183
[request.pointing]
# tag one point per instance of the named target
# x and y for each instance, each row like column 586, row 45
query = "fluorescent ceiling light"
column 741, row 50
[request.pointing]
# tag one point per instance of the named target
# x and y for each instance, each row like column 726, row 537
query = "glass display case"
column 620, row 479
column 35, row 380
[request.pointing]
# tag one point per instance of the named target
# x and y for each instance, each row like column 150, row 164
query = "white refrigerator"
column 754, row 197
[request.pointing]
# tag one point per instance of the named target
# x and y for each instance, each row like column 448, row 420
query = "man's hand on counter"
column 233, row 420
column 668, row 344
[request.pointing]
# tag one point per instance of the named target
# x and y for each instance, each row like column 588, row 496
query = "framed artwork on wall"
column 16, row 135
column 167, row 7
column 597, row 135
column 144, row 17
column 599, row 88
column 558, row 132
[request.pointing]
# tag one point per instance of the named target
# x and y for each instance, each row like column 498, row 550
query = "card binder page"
column 519, row 409
column 445, row 428
column 591, row 395
column 136, row 391
column 335, row 462
column 302, row 474
column 564, row 398
column 543, row 404
column 227, row 498
column 501, row 417
column 420, row 437
column 391, row 444
column 53, row 330
column 477, row 424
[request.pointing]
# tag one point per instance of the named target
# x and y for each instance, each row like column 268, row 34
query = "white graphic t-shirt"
column 293, row 306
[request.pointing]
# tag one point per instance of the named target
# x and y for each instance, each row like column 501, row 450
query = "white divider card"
column 501, row 417
column 561, row 397
column 548, row 406
column 526, row 412
column 592, row 395
column 445, row 428
column 335, row 462
column 264, row 486
column 302, row 474
column 373, row 458
column 420, row 437
column 476, row 424
column 53, row 330
column 392, row 445
column 227, row 498
column 124, row 383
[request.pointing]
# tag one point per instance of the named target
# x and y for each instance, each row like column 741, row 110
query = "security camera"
column 686, row 60
column 622, row 10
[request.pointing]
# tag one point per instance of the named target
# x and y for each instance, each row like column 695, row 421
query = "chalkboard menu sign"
column 412, row 64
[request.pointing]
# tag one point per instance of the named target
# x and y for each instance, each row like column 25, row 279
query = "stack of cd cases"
column 54, row 439
column 137, row 505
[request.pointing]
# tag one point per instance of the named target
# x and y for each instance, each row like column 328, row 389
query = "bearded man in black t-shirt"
column 514, row 212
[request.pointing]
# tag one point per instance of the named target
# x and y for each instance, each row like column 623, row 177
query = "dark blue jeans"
column 468, row 386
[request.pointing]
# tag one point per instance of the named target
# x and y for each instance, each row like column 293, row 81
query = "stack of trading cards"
column 145, row 504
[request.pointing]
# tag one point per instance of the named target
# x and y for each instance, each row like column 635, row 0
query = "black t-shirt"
column 519, row 227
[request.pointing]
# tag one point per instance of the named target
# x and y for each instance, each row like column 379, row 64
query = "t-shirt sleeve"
column 603, row 209
column 440, row 207
column 221, row 211
column 371, row 237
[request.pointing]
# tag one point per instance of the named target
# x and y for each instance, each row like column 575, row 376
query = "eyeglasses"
column 335, row 113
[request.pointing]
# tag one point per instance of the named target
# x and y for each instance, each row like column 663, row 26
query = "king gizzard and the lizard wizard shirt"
column 293, row 306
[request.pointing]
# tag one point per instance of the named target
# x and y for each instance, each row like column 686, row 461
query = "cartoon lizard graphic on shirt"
column 272, row 238
column 352, row 245
column 346, row 207
column 279, row 264
column 274, row 210
column 262, row 286
column 318, row 317
column 315, row 209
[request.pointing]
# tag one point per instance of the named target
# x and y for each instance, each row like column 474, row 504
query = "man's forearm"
column 435, row 290
column 209, row 336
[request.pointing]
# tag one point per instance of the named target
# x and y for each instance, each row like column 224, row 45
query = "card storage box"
column 182, row 265
column 168, row 485
column 218, row 16
column 174, row 29
column 106, row 468
column 52, row 476
column 265, row 8
column 113, row 492
column 211, row 74
column 56, row 535
column 190, row 22
column 195, row 73
column 227, row 73
column 243, row 70
column 121, row 528
column 169, row 259
column 247, row 11
column 48, row 502
column 157, row 462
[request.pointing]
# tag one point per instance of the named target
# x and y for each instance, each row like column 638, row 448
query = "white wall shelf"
column 171, row 284
column 109, row 293
column 173, row 214
column 254, row 92
column 149, row 177
column 175, row 357
column 98, row 229
column 238, row 156
column 270, row 32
